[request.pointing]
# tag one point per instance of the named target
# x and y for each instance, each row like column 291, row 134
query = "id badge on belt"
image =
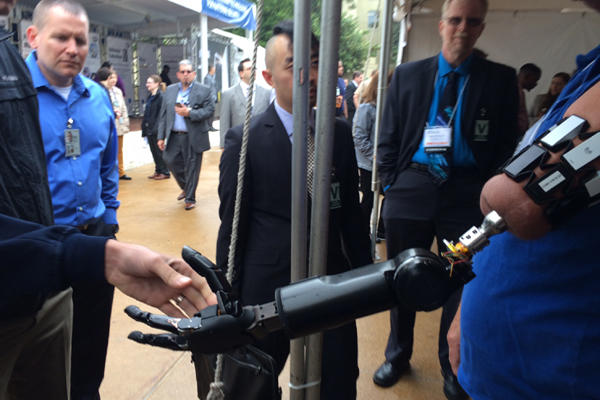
column 437, row 139
column 72, row 143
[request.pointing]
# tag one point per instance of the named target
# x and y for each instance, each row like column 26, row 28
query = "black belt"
column 179, row 132
column 417, row 166
column 455, row 170
column 83, row 227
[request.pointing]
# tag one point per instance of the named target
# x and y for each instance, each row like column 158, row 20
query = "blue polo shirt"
column 461, row 152
column 84, row 187
column 530, row 320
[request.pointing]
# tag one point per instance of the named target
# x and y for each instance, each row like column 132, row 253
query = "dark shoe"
column 189, row 206
column 160, row 177
column 388, row 374
column 181, row 196
column 211, row 129
column 153, row 176
column 125, row 178
column 452, row 388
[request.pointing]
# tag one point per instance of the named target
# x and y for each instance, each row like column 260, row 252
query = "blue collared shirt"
column 183, row 97
column 461, row 153
column 84, row 187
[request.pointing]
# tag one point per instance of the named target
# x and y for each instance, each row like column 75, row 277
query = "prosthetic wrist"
column 568, row 185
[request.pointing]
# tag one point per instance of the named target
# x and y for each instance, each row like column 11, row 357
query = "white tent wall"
column 146, row 53
column 549, row 39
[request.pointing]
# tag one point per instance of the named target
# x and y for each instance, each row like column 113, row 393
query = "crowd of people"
column 525, row 327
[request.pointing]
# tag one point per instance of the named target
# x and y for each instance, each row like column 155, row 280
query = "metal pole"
column 404, row 23
column 299, row 203
column 384, row 60
column 325, row 123
column 203, row 47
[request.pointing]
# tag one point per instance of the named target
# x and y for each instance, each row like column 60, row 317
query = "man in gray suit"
column 210, row 81
column 183, row 129
column 233, row 100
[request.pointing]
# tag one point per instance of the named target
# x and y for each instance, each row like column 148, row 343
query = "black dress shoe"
column 388, row 373
column 452, row 388
column 125, row 178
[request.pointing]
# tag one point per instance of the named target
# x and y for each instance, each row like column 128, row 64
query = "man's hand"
column 161, row 144
column 156, row 279
column 453, row 338
column 182, row 109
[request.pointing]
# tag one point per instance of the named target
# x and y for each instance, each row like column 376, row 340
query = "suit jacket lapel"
column 277, row 133
column 473, row 93
column 426, row 87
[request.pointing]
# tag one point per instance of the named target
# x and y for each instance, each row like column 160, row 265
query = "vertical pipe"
column 324, row 127
column 384, row 57
column 299, row 203
column 203, row 46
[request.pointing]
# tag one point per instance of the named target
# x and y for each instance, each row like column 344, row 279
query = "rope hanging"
column 217, row 386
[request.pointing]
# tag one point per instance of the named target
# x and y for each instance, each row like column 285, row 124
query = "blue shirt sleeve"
column 110, row 178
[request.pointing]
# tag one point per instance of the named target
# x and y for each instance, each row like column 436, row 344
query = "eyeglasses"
column 471, row 22
column 186, row 71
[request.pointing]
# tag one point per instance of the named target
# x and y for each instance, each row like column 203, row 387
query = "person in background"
column 119, row 84
column 363, row 133
column 340, row 92
column 542, row 102
column 448, row 123
column 164, row 75
column 528, row 77
column 183, row 130
column 350, row 98
column 150, row 127
column 210, row 81
column 79, row 134
column 233, row 101
column 108, row 79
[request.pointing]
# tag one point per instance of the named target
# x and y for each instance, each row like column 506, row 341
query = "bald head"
column 276, row 45
column 42, row 10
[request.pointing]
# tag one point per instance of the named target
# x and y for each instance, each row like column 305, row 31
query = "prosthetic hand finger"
column 154, row 320
column 169, row 341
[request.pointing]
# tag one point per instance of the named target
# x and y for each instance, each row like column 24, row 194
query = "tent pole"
column 384, row 61
column 299, row 204
column 324, row 127
column 203, row 46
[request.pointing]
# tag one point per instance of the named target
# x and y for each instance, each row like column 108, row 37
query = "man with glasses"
column 183, row 129
column 448, row 123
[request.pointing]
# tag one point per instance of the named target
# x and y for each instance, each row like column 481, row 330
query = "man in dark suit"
column 448, row 123
column 265, row 225
column 183, row 129
column 351, row 101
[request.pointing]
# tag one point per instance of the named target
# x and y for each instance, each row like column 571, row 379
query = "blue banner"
column 235, row 12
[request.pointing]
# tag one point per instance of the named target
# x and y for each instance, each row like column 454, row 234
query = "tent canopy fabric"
column 154, row 18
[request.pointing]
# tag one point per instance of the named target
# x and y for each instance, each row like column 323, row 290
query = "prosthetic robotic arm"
column 416, row 279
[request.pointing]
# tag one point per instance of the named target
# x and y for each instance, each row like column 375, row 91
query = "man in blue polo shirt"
column 530, row 320
column 448, row 122
column 79, row 136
